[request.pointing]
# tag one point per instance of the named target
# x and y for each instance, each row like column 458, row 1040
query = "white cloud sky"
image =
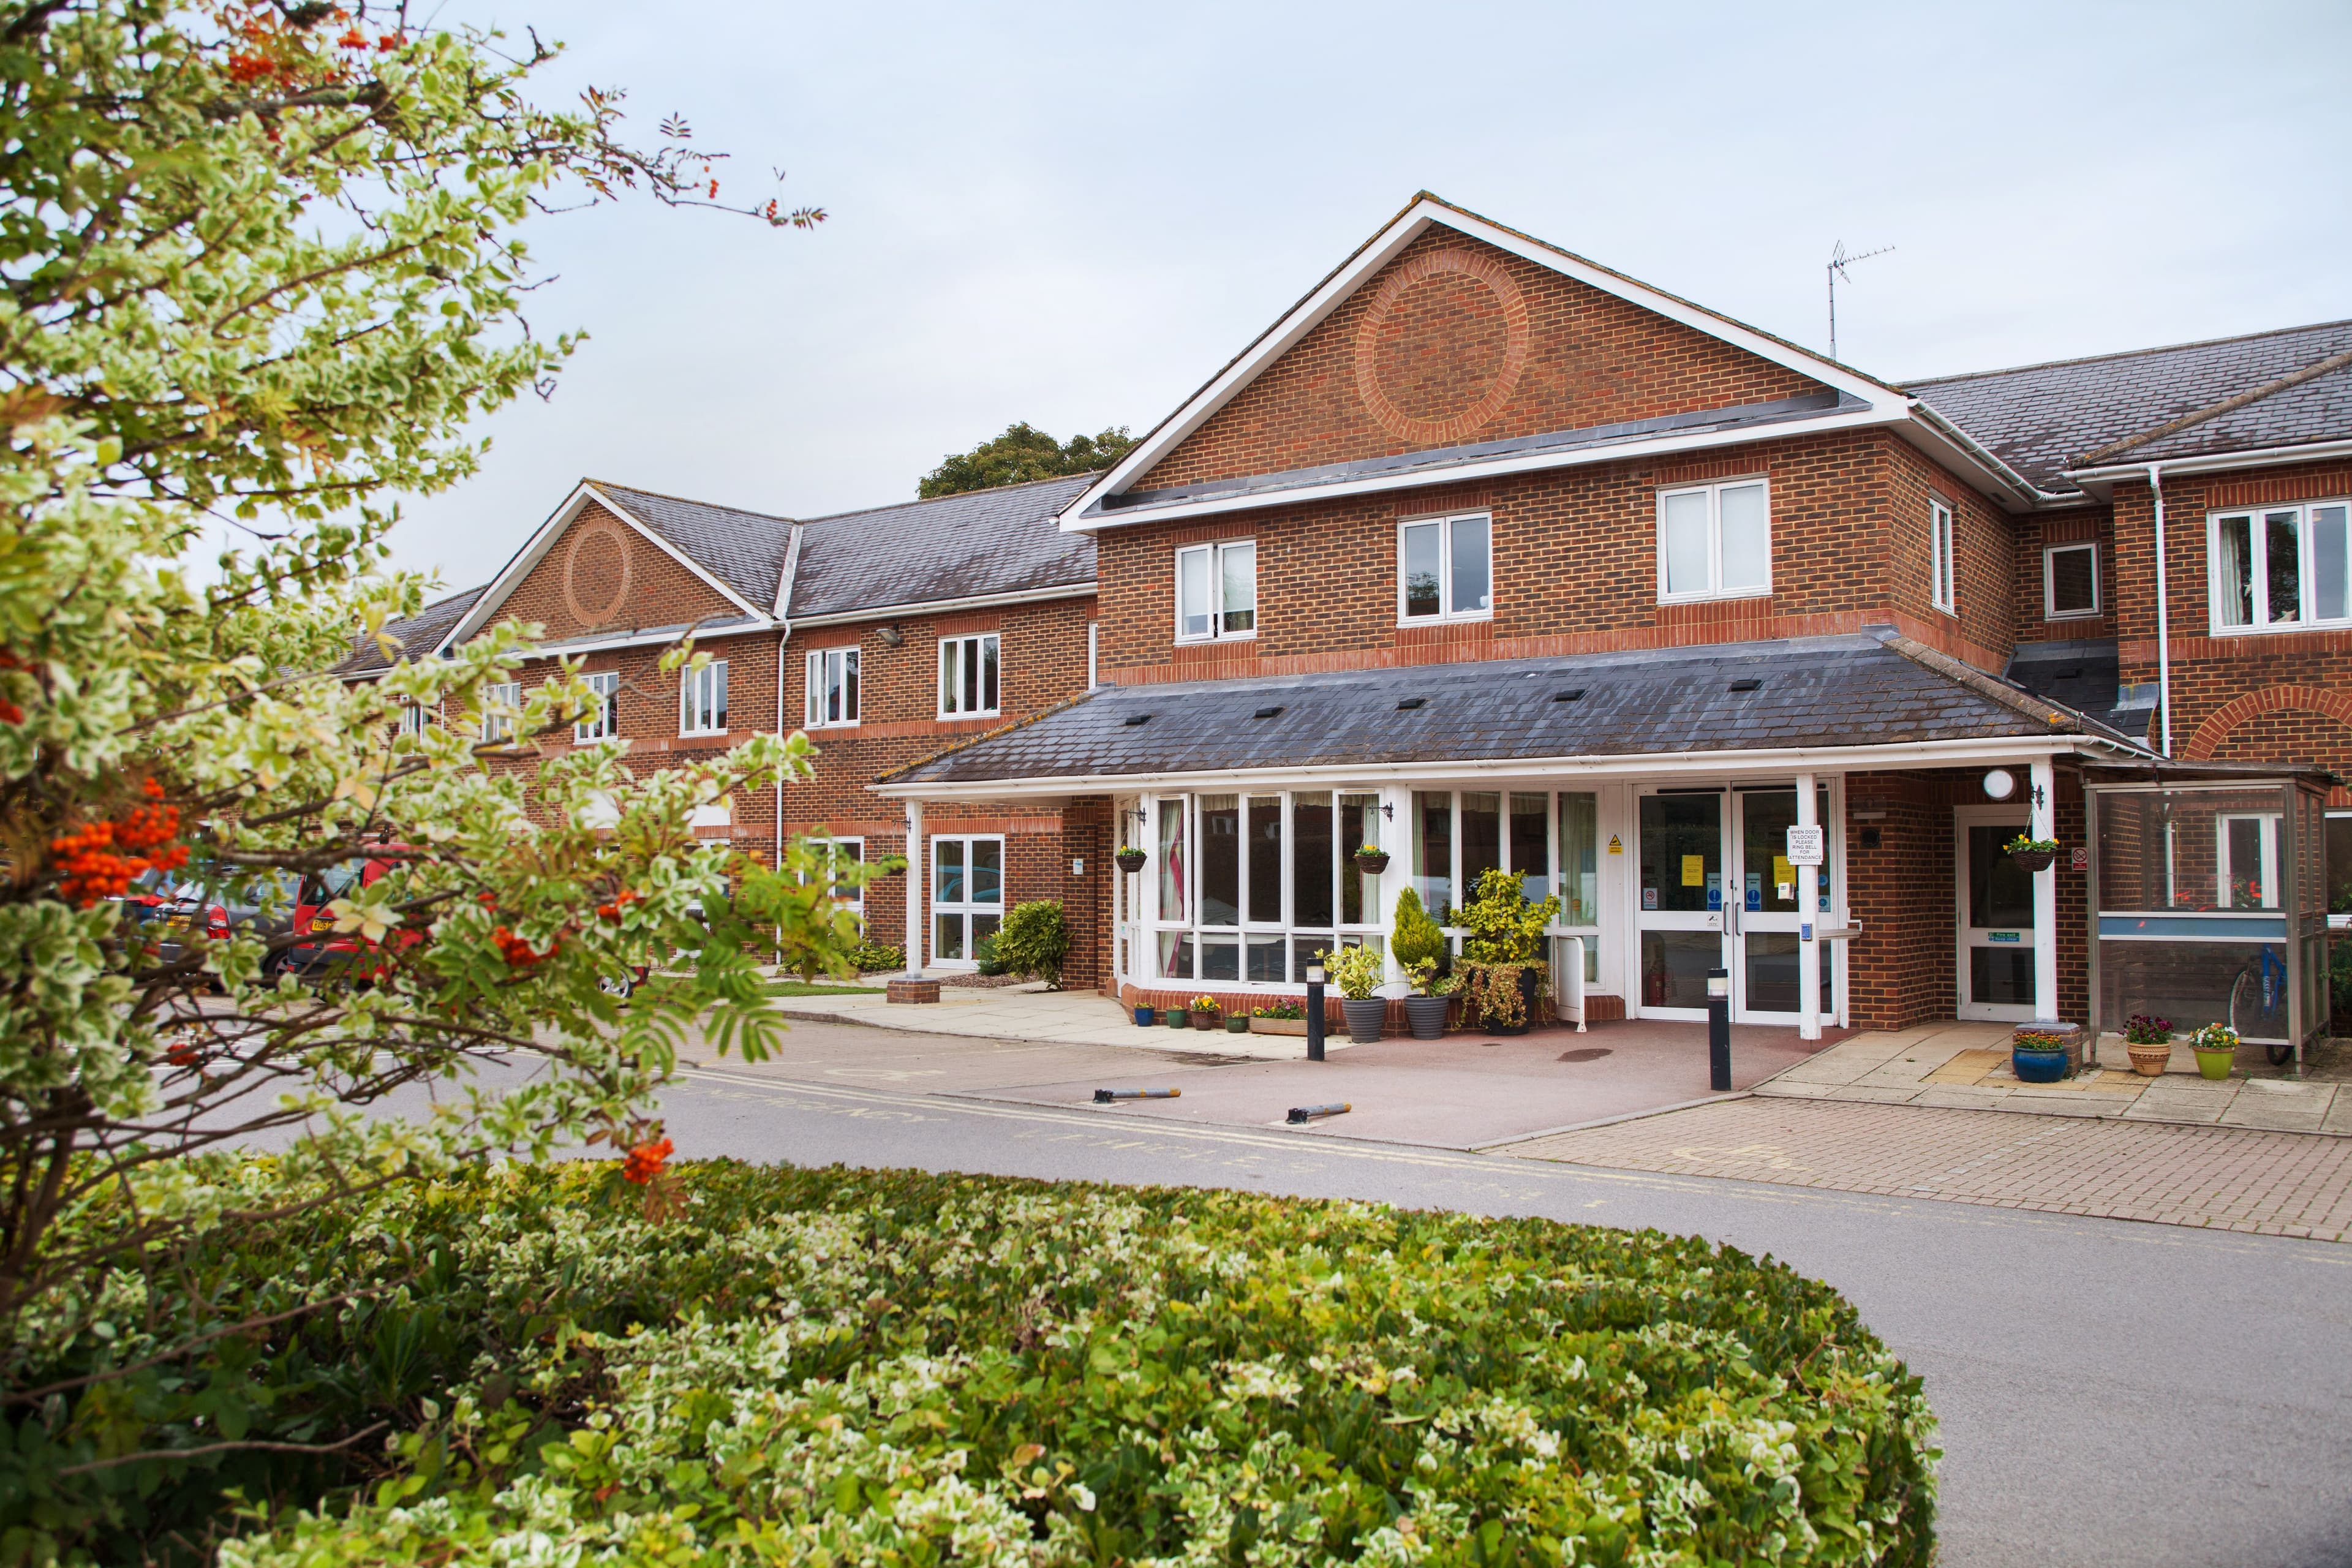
column 1074, row 214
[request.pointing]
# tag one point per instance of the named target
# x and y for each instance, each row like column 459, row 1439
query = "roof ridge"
column 2228, row 404
column 1914, row 382
column 688, row 500
column 959, row 495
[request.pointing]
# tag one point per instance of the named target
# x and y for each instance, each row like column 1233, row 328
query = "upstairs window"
column 1216, row 591
column 414, row 718
column 1941, row 571
column 702, row 701
column 2278, row 567
column 1715, row 542
column 2070, row 582
column 968, row 677
column 830, row 692
column 604, row 722
column 498, row 703
column 1444, row 571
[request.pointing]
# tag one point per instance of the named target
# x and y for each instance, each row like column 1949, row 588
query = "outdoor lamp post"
column 1314, row 1012
column 1719, row 1029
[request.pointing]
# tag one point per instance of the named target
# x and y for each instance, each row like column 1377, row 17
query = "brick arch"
column 2261, row 720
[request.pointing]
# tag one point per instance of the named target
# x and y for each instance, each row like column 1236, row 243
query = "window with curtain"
column 1715, row 542
column 1216, row 591
column 1274, row 870
column 2280, row 567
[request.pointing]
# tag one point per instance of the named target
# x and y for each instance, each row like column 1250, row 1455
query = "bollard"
column 1299, row 1113
column 1105, row 1096
column 1314, row 1014
column 1719, row 1029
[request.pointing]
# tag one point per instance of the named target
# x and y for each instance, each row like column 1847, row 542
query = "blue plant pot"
column 1144, row 1017
column 2037, row 1066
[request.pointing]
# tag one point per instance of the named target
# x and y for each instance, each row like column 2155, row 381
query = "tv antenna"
column 1839, row 262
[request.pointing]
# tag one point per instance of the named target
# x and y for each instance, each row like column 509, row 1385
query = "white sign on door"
column 1804, row 845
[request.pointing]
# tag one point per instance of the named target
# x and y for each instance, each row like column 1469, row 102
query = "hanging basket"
column 2033, row 859
column 1130, row 860
column 1372, row 864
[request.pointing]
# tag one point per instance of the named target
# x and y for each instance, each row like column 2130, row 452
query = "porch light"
column 1718, row 983
column 1314, row 974
column 2000, row 784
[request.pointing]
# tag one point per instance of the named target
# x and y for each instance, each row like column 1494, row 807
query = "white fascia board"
column 1311, row 312
column 948, row 606
column 648, row 639
column 2101, row 480
column 680, row 556
column 518, row 566
column 1956, row 449
column 1496, row 467
column 1805, row 758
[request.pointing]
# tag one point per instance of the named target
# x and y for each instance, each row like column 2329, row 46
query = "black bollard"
column 1315, row 1013
column 1719, row 1029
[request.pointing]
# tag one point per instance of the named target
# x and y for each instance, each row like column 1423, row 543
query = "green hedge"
column 833, row 1367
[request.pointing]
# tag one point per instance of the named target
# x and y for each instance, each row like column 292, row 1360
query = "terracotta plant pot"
column 2149, row 1061
column 1206, row 1020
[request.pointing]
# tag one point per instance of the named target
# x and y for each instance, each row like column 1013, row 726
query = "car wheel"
column 620, row 988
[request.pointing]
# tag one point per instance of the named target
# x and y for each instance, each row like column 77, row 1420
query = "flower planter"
column 1237, row 1026
column 1427, row 1017
column 1130, row 860
column 1372, row 865
column 1277, row 1026
column 2037, row 1066
column 2214, row 1065
column 2149, row 1060
column 2033, row 859
column 1145, row 1017
column 1207, row 1021
column 1178, row 1018
column 1364, row 1018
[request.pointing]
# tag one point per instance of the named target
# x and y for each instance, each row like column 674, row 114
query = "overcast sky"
column 1074, row 215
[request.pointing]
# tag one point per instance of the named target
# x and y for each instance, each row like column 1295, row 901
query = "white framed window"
column 2280, row 567
column 2070, row 582
column 1941, row 573
column 414, row 718
column 838, row 853
column 1715, row 542
column 702, row 701
column 967, row 676
column 1445, row 569
column 1094, row 655
column 829, row 693
column 604, row 722
column 1216, row 591
column 967, row 896
column 498, row 703
column 2247, row 860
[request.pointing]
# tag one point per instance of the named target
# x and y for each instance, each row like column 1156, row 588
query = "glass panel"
column 1266, row 958
column 947, row 937
column 1482, row 837
column 1192, row 593
column 2331, row 571
column 1684, row 528
column 1682, row 853
column 1176, row 956
column 1423, row 548
column 1773, row 885
column 1433, row 820
column 2002, row 977
column 988, row 870
column 1746, row 538
column 988, row 658
column 1221, row 860
column 1471, row 571
column 2074, row 581
column 2233, row 570
column 1772, row 978
column 1312, row 848
column 2000, row 891
column 1240, row 564
column 1220, row 960
column 2282, row 563
column 982, row 928
column 849, row 686
column 1304, row 946
column 2249, row 869
column 1531, row 845
column 1265, row 860
column 1360, row 823
column 1675, row 966
column 2241, row 983
column 947, row 877
column 1579, row 861
column 1173, row 869
column 2163, row 849
column 2339, row 865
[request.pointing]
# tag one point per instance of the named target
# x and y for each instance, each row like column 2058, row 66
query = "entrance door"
column 1681, row 919
column 1996, row 917
column 1772, row 904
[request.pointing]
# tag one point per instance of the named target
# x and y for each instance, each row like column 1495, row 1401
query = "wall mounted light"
column 2000, row 784
column 892, row 635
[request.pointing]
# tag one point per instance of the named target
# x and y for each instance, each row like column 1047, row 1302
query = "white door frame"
column 1964, row 937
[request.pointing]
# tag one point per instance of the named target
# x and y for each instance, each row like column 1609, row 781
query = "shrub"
column 1354, row 969
column 875, row 957
column 868, row 1367
column 1417, row 939
column 989, row 964
column 1034, row 941
column 1502, row 926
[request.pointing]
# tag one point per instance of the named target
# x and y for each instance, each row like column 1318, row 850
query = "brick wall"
column 601, row 575
column 2033, row 533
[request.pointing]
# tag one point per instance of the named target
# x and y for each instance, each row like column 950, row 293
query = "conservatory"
column 2211, row 901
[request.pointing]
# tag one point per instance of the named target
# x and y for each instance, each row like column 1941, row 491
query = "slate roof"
column 2042, row 419
column 1867, row 688
column 744, row 550
column 999, row 541
column 419, row 634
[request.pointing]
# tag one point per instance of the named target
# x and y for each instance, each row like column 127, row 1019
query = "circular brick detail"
column 1441, row 345
column 596, row 571
column 910, row 991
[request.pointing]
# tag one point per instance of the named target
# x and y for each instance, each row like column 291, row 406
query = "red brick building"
column 1487, row 555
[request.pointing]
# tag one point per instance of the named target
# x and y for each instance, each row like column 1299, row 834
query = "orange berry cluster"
column 621, row 901
column 100, row 859
column 645, row 1162
column 518, row 953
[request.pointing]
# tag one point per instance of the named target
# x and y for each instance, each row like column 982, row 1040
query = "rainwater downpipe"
column 2163, row 615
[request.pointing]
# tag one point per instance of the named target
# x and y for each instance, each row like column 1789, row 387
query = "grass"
column 803, row 988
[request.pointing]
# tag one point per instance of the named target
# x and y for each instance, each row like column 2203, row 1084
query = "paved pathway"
column 1031, row 1013
column 2224, row 1178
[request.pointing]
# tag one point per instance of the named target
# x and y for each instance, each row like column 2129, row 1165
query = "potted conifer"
column 1419, row 948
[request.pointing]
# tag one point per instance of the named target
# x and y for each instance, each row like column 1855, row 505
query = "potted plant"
column 1281, row 1018
column 1503, row 949
column 1355, row 971
column 1372, row 860
column 1205, row 1012
column 2216, row 1046
column 2149, row 1042
column 2033, row 854
column 1420, row 949
column 1179, row 1019
column 1145, row 1017
column 1131, row 859
column 2035, row 1056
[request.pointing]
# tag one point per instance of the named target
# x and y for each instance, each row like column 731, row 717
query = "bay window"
column 968, row 677
column 1446, row 569
column 829, row 691
column 702, row 700
column 2275, row 567
column 1216, row 591
column 1715, row 542
column 1551, row 838
column 1253, row 887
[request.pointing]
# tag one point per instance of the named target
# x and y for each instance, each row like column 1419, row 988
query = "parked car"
column 321, row 952
column 216, row 906
column 149, row 895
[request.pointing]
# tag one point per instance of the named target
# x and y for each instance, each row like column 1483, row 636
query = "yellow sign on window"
column 1782, row 872
column 1694, row 870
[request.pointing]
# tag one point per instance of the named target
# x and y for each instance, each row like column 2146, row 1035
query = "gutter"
column 784, row 616
column 2255, row 458
column 2163, row 613
column 945, row 606
column 2017, row 484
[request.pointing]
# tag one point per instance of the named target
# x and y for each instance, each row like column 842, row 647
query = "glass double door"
column 1718, row 891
